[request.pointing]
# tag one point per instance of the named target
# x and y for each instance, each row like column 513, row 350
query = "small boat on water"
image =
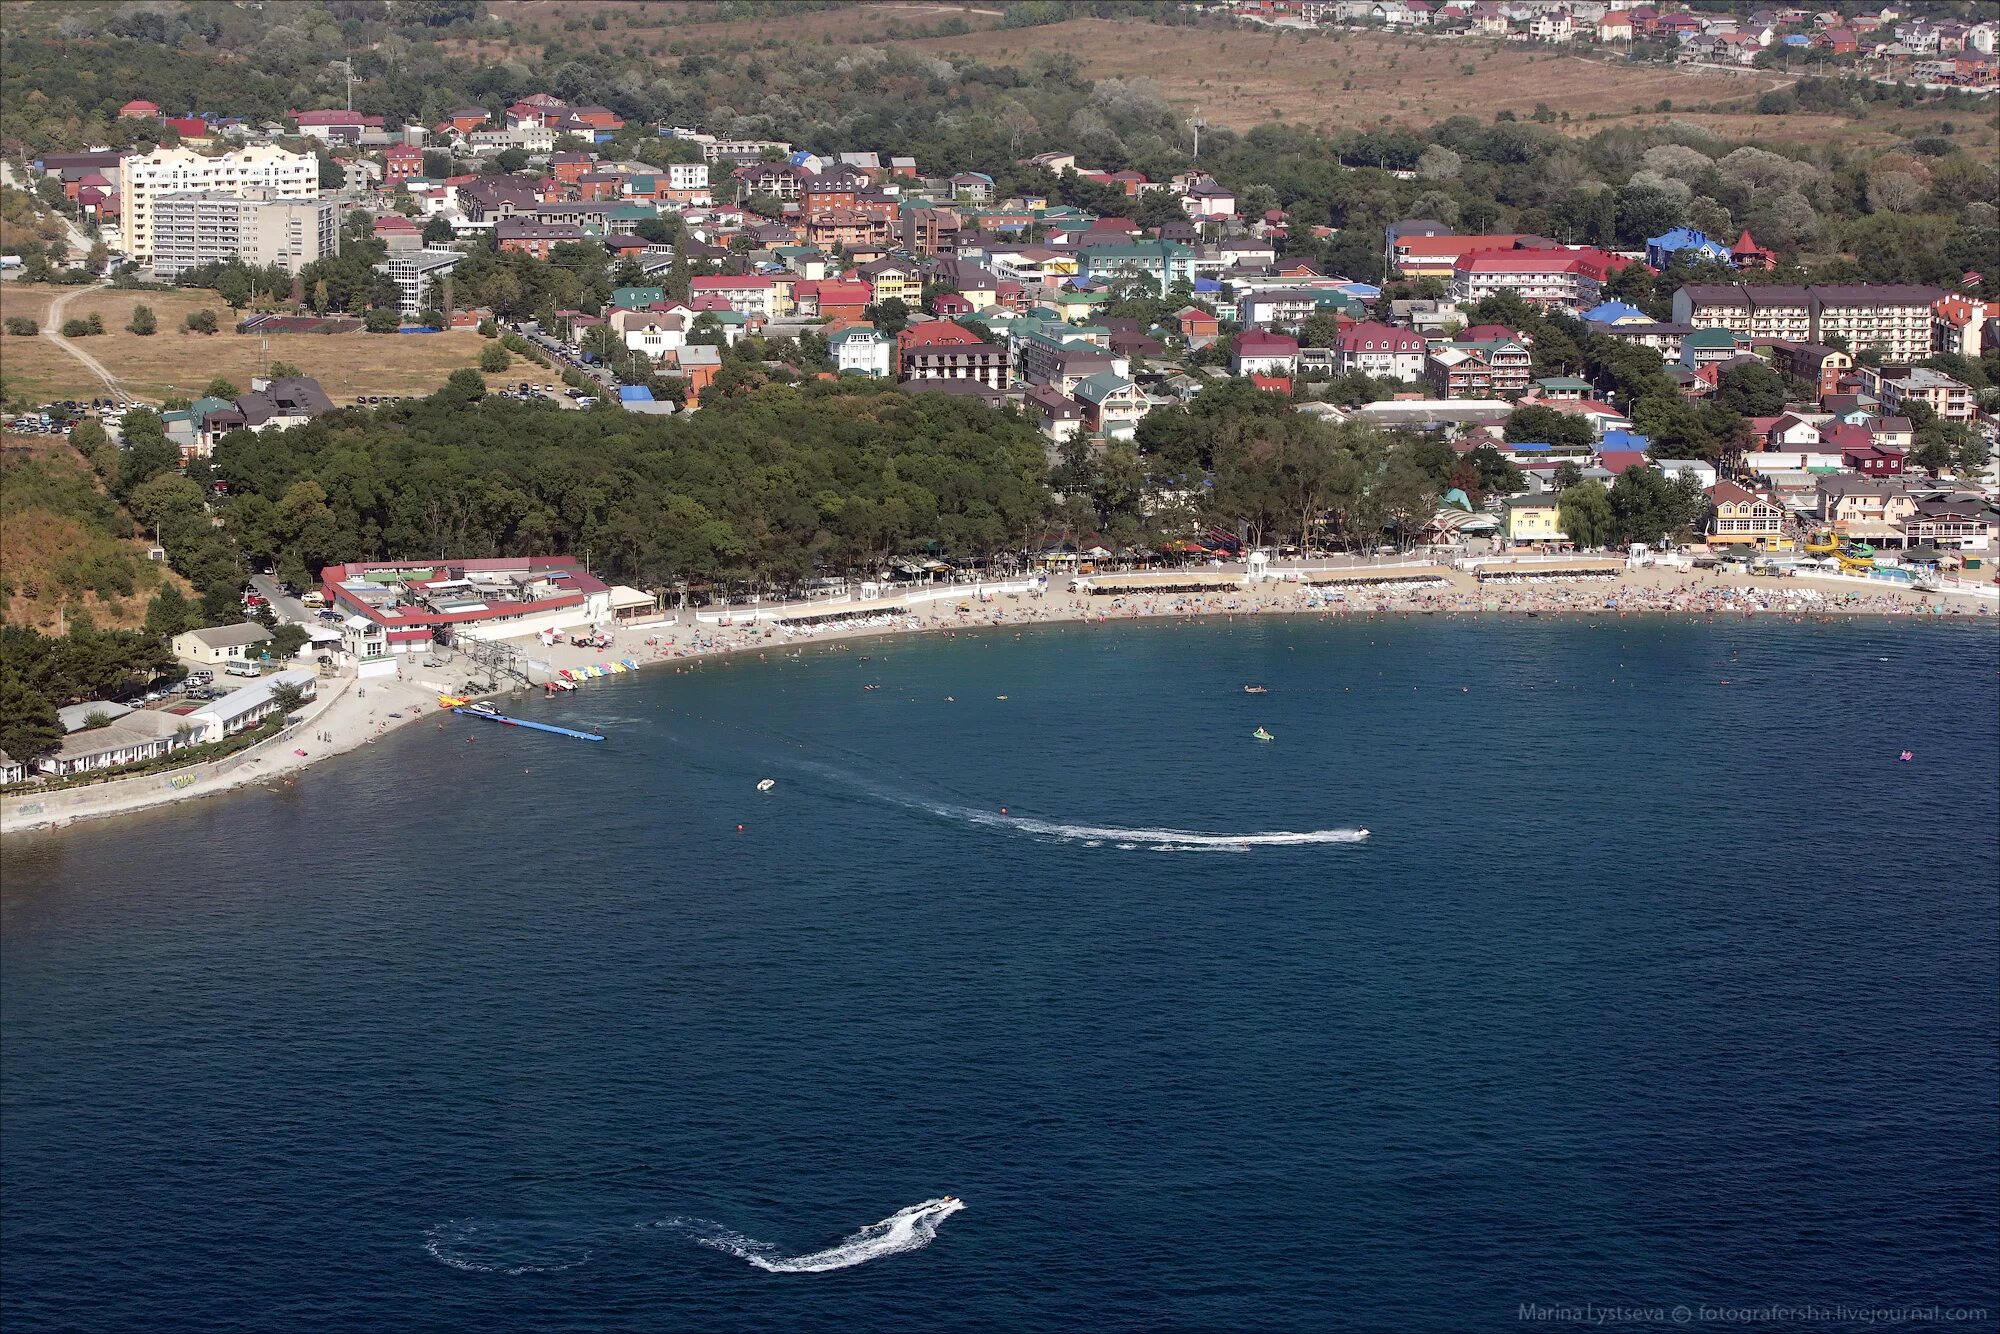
column 1255, row 690
column 1261, row 735
column 766, row 785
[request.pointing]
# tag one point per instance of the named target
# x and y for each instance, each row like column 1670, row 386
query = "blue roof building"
column 1616, row 312
column 1616, row 440
column 1661, row 249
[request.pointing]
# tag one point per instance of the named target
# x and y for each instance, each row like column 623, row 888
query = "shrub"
column 143, row 322
column 76, row 329
column 201, row 321
column 22, row 327
column 493, row 358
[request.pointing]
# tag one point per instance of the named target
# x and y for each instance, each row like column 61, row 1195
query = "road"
column 52, row 330
column 283, row 605
column 79, row 243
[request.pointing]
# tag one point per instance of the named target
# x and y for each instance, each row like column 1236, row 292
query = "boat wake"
column 487, row 1247
column 1148, row 840
column 905, row 1230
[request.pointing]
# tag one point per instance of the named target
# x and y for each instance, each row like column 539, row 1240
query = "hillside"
column 65, row 546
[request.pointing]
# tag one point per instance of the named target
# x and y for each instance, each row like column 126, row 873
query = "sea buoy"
column 739, row 829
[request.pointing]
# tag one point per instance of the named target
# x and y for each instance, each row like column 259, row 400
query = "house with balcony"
column 1112, row 405
column 1261, row 352
column 1381, row 351
column 862, row 350
column 1738, row 516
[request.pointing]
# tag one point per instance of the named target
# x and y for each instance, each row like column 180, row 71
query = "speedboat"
column 481, row 707
column 1255, row 690
column 1261, row 735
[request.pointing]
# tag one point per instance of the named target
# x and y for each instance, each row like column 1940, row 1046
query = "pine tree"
column 169, row 613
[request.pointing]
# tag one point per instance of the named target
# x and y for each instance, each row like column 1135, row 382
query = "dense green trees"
column 1584, row 512
column 40, row 672
column 768, row 485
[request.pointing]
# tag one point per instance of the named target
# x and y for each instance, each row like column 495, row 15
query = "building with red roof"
column 1568, row 278
column 1381, row 351
column 1261, row 352
column 139, row 109
column 396, row 607
column 1747, row 254
column 402, row 162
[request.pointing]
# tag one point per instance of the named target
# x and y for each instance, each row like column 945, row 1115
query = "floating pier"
column 523, row 722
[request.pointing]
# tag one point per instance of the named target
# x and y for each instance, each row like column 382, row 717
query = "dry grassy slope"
column 174, row 363
column 35, row 545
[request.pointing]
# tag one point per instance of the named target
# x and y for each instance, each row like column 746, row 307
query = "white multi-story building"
column 1893, row 318
column 1382, row 351
column 687, row 175
column 211, row 226
column 165, row 171
column 413, row 271
column 862, row 350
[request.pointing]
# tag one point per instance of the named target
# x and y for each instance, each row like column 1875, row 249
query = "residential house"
column 538, row 239
column 1059, row 415
column 1739, row 516
column 1381, row 351
column 1869, row 508
column 830, row 299
column 930, row 333
column 862, row 350
column 746, row 294
column 1533, row 520
column 245, row 708
column 135, row 737
column 1261, row 352
column 983, row 363
column 1112, row 405
column 1899, row 386
column 1953, row 523
column 1196, row 325
column 218, row 646
column 1818, row 365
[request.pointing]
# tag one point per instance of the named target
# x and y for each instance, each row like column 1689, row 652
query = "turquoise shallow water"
column 1642, row 989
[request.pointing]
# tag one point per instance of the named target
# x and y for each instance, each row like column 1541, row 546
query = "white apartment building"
column 413, row 271
column 166, row 171
column 687, row 175
column 211, row 226
column 1893, row 318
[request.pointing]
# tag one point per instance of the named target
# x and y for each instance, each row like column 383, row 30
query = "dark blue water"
column 1659, row 980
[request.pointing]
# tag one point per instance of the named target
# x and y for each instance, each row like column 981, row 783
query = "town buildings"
column 255, row 226
column 1894, row 319
column 179, row 171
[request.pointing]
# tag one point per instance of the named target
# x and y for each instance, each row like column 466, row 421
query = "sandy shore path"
column 352, row 714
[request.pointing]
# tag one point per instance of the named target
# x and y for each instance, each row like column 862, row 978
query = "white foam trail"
column 905, row 1230
column 1150, row 840
column 495, row 1248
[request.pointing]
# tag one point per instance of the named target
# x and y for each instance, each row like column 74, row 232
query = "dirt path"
column 52, row 330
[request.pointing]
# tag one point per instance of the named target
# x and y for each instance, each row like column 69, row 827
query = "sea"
column 1537, row 972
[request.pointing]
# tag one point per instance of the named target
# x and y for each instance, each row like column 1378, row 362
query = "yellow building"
column 1534, row 520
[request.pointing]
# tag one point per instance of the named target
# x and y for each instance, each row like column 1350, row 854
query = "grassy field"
column 1350, row 79
column 658, row 26
column 174, row 363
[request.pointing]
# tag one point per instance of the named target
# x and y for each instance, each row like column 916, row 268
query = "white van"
column 242, row 669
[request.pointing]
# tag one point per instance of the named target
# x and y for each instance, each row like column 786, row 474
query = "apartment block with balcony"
column 212, row 227
column 148, row 177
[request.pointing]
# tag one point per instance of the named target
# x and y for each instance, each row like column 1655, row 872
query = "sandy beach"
column 351, row 714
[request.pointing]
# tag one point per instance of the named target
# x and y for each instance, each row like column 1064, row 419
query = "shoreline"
column 351, row 717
